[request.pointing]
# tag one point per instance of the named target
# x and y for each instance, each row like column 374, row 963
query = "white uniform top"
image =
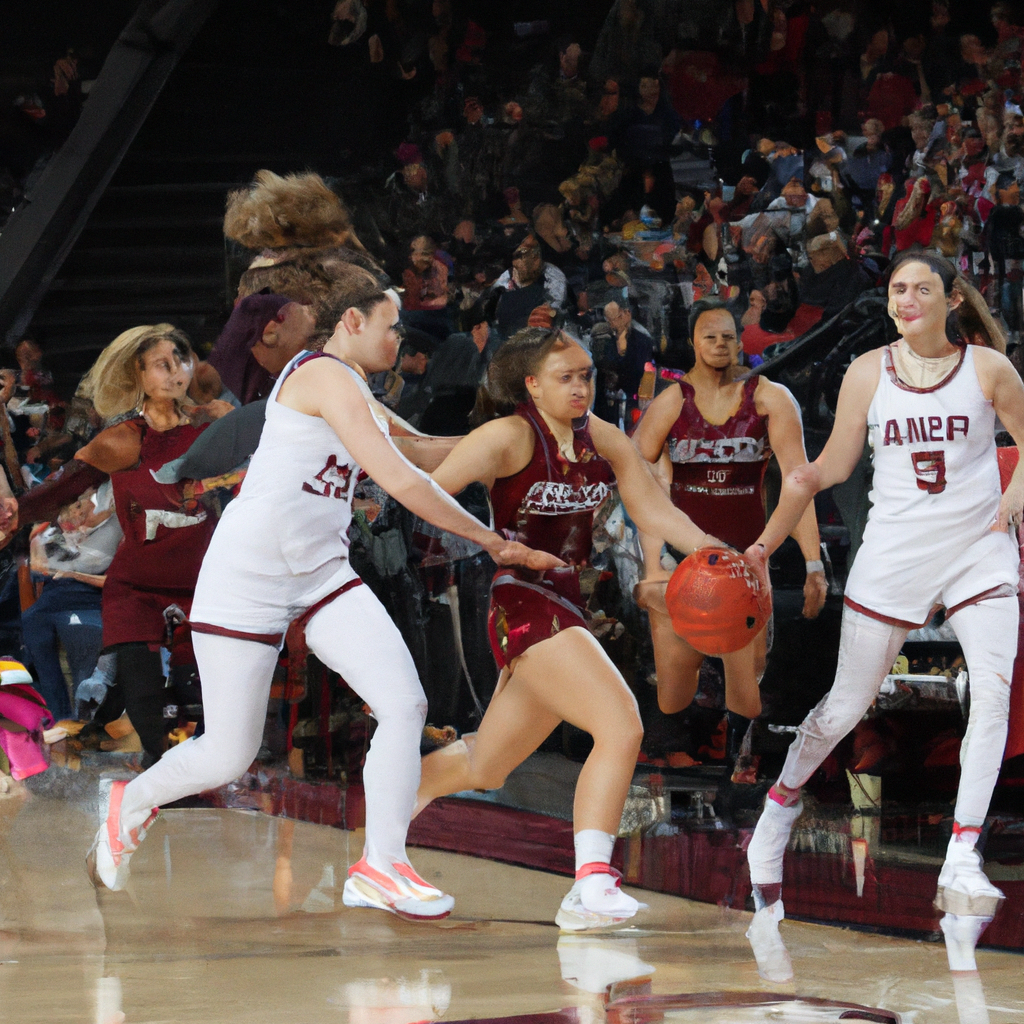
column 282, row 544
column 934, row 498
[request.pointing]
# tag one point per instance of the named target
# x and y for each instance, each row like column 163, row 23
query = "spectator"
column 425, row 302
column 623, row 366
column 72, row 556
column 530, row 282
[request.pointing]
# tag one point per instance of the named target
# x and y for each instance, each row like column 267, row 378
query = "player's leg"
column 236, row 677
column 867, row 650
column 987, row 632
column 676, row 663
column 513, row 727
column 570, row 678
column 743, row 672
column 356, row 637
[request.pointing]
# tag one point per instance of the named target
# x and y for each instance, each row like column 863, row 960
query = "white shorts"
column 236, row 592
column 901, row 574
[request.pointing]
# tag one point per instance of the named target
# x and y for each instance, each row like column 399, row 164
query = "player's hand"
column 215, row 409
column 757, row 556
column 815, row 592
column 511, row 552
column 1011, row 508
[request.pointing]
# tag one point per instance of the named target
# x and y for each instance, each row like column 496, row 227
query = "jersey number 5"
column 930, row 469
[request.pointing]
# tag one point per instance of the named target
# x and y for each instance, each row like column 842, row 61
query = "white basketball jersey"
column 296, row 499
column 934, row 453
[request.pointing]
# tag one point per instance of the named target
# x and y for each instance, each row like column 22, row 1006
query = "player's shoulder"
column 866, row 368
column 989, row 358
column 770, row 396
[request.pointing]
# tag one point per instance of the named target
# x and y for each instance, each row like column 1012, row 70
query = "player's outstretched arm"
column 645, row 499
column 836, row 462
column 1000, row 380
column 786, row 436
column 344, row 408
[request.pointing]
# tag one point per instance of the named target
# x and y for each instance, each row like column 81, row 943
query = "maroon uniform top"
column 156, row 564
column 718, row 469
column 549, row 505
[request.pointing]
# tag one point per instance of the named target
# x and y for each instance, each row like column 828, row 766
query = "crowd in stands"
column 780, row 167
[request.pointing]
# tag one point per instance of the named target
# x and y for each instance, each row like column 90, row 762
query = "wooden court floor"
column 234, row 917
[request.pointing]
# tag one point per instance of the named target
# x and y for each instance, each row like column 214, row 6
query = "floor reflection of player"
column 937, row 534
column 548, row 467
column 720, row 431
column 280, row 553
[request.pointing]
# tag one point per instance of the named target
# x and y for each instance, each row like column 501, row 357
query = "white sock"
column 965, row 838
column 593, row 846
column 600, row 892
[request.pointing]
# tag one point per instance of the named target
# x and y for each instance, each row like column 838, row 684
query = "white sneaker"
column 964, row 889
column 773, row 963
column 108, row 858
column 575, row 916
column 771, row 837
column 404, row 893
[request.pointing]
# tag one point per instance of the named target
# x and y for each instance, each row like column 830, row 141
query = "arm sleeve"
column 71, row 481
column 223, row 445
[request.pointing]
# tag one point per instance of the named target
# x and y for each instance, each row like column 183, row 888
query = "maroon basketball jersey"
column 550, row 504
column 718, row 469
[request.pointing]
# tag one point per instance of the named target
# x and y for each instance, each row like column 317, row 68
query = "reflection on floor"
column 234, row 916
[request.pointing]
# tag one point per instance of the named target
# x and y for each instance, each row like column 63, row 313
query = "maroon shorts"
column 529, row 607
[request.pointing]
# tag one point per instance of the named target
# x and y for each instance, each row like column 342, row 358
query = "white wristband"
column 816, row 566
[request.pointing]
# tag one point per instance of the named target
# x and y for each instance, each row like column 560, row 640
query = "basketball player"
column 938, row 534
column 721, row 431
column 549, row 465
column 280, row 553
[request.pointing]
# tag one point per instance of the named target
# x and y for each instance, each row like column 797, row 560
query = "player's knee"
column 621, row 737
column 410, row 713
column 669, row 703
column 228, row 765
column 833, row 723
column 990, row 696
column 487, row 777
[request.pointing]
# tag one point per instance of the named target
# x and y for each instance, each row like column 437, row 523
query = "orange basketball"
column 716, row 602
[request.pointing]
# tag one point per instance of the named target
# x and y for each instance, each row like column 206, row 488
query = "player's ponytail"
column 975, row 324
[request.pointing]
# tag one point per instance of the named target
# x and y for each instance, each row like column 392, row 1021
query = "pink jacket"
column 19, row 703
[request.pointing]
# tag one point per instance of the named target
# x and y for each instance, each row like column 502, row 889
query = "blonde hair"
column 114, row 383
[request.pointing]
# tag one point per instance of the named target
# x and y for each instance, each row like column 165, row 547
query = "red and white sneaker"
column 109, row 856
column 611, row 908
column 406, row 895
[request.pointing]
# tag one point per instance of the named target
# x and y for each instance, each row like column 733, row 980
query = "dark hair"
column 521, row 357
column 941, row 266
column 352, row 288
column 702, row 306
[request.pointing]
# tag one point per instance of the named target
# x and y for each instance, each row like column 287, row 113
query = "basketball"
column 716, row 602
